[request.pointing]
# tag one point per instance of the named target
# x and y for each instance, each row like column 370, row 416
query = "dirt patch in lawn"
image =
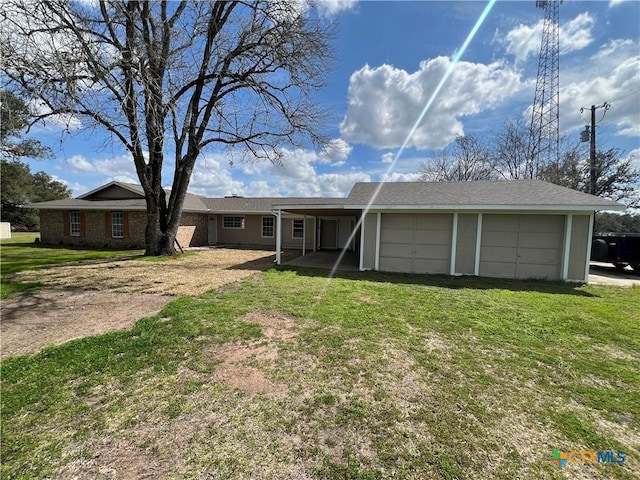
column 48, row 316
column 191, row 274
column 96, row 297
column 239, row 361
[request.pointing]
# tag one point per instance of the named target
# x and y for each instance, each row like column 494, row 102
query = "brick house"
column 507, row 229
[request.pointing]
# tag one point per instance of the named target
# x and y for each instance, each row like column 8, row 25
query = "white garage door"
column 415, row 243
column 522, row 246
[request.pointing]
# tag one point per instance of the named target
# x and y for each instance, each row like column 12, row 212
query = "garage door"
column 415, row 243
column 522, row 246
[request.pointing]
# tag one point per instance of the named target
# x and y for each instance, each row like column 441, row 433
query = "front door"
column 213, row 230
column 329, row 234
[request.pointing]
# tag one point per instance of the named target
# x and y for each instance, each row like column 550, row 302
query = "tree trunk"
column 158, row 243
column 159, row 237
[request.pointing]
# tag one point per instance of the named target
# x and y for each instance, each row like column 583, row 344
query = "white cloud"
column 614, row 3
column 76, row 188
column 400, row 177
column 335, row 152
column 614, row 52
column 66, row 121
column 576, row 34
column 614, row 77
column 634, row 155
column 333, row 7
column 119, row 168
column 125, row 179
column 524, row 40
column 295, row 164
column 387, row 157
column 215, row 176
column 80, row 164
column 290, row 9
column 385, row 102
column 212, row 176
column 295, row 176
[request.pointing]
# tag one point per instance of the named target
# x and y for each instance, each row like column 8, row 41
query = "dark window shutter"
column 83, row 224
column 107, row 224
column 65, row 223
column 125, row 224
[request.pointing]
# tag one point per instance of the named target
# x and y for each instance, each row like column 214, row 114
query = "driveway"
column 97, row 297
column 606, row 274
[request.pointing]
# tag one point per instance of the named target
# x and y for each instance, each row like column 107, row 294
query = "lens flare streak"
column 426, row 108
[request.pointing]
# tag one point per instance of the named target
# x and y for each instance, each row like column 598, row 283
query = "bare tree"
column 616, row 177
column 176, row 77
column 467, row 159
column 509, row 150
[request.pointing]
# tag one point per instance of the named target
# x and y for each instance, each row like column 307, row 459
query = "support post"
column 362, row 241
column 476, row 267
column 566, row 251
column 454, row 244
column 278, row 235
column 589, row 240
column 304, row 235
column 377, row 258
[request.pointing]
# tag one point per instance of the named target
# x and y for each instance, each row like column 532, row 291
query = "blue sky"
column 390, row 58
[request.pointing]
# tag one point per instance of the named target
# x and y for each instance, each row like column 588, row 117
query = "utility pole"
column 591, row 135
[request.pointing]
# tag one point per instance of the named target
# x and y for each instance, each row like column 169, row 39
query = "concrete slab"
column 327, row 259
column 607, row 274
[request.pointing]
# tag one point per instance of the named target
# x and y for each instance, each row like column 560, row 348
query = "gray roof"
column 508, row 194
column 192, row 203
column 491, row 195
column 264, row 204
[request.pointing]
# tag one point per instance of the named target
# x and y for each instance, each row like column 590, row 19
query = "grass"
column 21, row 253
column 382, row 376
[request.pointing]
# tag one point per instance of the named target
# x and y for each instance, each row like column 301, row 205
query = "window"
column 298, row 228
column 232, row 222
column 267, row 227
column 74, row 223
column 117, row 224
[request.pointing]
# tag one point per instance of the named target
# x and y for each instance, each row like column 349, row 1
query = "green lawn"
column 21, row 253
column 364, row 376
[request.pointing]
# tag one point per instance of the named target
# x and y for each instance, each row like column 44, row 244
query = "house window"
column 74, row 223
column 298, row 228
column 267, row 227
column 117, row 224
column 232, row 222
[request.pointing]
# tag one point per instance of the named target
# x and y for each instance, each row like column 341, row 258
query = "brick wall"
column 96, row 229
column 193, row 230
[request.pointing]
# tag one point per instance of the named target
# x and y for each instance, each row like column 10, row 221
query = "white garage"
column 509, row 229
column 415, row 243
column 522, row 246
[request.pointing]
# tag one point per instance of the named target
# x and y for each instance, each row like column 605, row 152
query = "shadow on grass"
column 448, row 281
column 31, row 297
column 264, row 263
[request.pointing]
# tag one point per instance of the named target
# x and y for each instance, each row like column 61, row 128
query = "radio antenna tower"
column 544, row 135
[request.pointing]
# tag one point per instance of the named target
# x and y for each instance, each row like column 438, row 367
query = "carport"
column 334, row 228
column 328, row 259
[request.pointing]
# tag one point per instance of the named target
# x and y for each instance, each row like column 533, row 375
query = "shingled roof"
column 512, row 194
column 264, row 204
column 477, row 195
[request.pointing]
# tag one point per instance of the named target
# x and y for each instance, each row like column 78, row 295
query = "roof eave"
column 308, row 207
column 563, row 207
